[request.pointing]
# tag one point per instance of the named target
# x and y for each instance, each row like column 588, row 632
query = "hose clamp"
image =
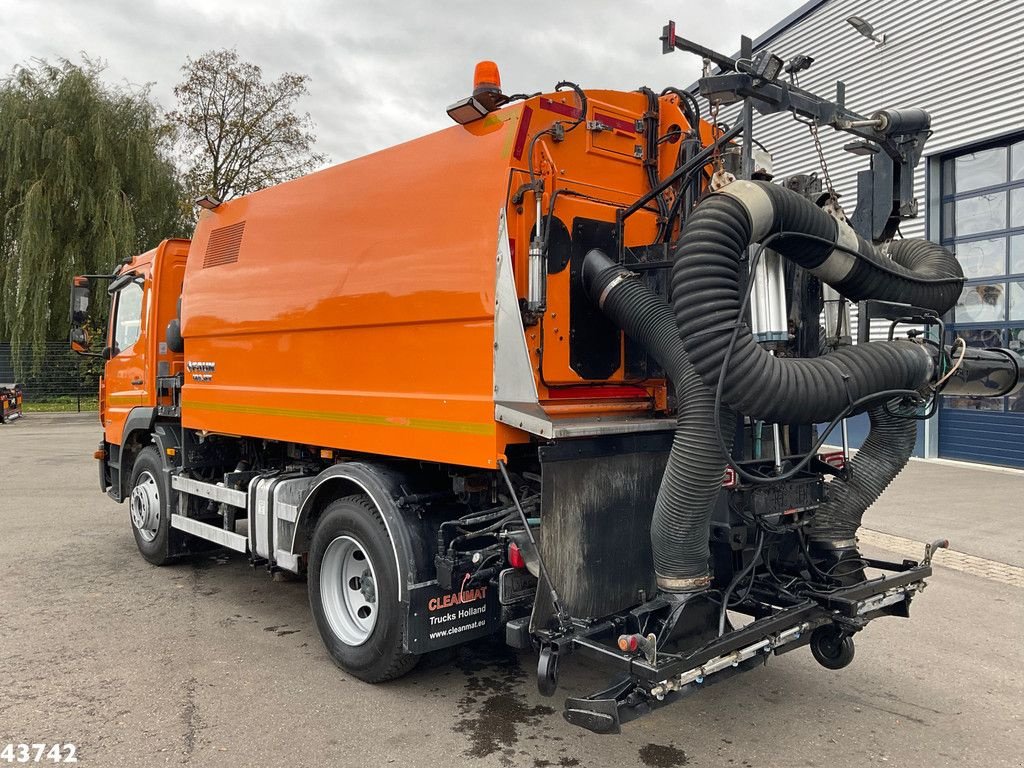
column 759, row 206
column 619, row 278
column 684, row 585
column 834, row 543
column 843, row 543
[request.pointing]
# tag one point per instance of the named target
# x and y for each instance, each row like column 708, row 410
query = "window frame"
column 115, row 315
column 947, row 206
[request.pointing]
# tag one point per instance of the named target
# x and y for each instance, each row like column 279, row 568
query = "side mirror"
column 121, row 281
column 79, row 341
column 79, row 316
column 79, row 301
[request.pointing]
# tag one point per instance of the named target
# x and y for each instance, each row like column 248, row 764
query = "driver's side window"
column 127, row 317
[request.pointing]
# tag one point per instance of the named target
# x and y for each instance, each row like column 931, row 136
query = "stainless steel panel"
column 235, row 541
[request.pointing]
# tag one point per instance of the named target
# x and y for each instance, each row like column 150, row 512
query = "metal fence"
column 53, row 378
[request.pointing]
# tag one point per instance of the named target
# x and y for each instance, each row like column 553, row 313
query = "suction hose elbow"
column 706, row 300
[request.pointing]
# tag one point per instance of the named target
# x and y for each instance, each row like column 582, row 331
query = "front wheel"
column 149, row 504
column 353, row 592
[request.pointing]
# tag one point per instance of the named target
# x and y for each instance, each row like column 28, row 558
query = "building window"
column 982, row 222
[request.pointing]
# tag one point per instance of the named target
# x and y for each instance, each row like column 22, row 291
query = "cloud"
column 382, row 73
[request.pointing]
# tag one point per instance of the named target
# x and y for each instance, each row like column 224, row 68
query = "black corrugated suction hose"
column 695, row 469
column 880, row 459
column 706, row 299
column 884, row 454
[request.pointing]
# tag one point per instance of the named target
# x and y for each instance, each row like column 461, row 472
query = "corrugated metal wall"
column 961, row 61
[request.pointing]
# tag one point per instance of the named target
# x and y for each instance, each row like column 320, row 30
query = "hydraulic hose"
column 706, row 301
column 693, row 475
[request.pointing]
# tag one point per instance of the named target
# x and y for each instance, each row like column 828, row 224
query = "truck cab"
column 143, row 301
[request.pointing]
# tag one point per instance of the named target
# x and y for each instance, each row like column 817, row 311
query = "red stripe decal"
column 617, row 123
column 524, row 127
column 596, row 393
column 559, row 108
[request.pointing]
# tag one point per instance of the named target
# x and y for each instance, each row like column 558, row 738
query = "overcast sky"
column 383, row 72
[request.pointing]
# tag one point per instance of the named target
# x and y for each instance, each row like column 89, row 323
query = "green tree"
column 86, row 180
column 238, row 132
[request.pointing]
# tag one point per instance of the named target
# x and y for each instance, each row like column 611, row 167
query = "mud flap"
column 438, row 618
column 595, row 533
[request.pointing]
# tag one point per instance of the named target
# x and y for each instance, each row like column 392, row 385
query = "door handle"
column 136, row 382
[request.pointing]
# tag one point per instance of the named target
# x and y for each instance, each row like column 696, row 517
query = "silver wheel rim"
column 145, row 506
column 348, row 590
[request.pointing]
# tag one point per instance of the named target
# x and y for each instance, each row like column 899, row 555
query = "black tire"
column 547, row 671
column 380, row 657
column 148, row 464
column 831, row 647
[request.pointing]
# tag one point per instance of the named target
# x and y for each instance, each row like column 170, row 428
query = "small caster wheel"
column 547, row 671
column 831, row 647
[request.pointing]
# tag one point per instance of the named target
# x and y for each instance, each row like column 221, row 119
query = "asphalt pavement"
column 212, row 663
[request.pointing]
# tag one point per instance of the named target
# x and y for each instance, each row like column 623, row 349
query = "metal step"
column 229, row 539
column 210, row 491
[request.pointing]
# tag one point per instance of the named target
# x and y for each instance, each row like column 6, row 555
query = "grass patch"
column 61, row 404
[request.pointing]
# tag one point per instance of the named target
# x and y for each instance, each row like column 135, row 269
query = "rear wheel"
column 353, row 592
column 149, row 505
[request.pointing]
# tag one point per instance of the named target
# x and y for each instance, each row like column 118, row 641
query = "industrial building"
column 961, row 62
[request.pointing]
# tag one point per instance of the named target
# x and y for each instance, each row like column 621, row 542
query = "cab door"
column 125, row 380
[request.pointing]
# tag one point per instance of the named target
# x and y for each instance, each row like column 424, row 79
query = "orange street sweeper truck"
column 561, row 372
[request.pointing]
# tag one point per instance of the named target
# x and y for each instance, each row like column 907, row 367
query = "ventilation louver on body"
column 223, row 245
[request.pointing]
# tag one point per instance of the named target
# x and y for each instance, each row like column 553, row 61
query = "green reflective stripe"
column 432, row 425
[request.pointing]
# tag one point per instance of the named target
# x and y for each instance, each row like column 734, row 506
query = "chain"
column 821, row 161
column 716, row 157
column 832, row 207
column 721, row 177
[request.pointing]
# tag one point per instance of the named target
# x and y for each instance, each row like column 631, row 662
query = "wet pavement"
column 212, row 663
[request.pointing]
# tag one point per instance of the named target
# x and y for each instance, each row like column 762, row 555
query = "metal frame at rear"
column 779, row 626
